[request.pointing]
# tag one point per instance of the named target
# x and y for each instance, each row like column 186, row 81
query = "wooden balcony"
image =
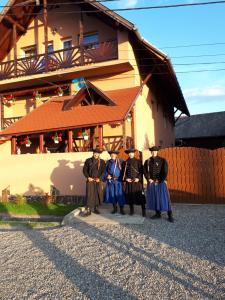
column 6, row 122
column 108, row 143
column 61, row 59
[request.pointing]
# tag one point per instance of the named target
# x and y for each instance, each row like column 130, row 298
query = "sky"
column 169, row 29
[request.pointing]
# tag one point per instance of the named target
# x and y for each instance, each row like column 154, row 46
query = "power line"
column 134, row 8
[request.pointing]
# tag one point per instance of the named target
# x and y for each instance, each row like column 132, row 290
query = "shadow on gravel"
column 198, row 230
column 152, row 262
column 89, row 283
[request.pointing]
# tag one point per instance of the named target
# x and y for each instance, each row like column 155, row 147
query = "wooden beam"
column 15, row 48
column 14, row 22
column 70, row 140
column 81, row 38
column 7, row 34
column 100, row 136
column 41, row 143
column 46, row 33
column 13, row 145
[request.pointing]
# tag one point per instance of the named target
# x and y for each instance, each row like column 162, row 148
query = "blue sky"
column 203, row 91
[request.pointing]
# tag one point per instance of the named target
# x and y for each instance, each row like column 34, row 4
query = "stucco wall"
column 34, row 173
column 151, row 127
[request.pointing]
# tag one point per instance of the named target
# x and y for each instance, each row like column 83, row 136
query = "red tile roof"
column 50, row 116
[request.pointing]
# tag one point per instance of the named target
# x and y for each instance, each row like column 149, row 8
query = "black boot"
column 131, row 210
column 122, row 212
column 114, row 209
column 157, row 215
column 96, row 211
column 170, row 216
column 143, row 211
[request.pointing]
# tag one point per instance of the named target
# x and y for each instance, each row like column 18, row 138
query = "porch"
column 77, row 140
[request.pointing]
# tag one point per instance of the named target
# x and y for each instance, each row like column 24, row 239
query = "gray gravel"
column 156, row 260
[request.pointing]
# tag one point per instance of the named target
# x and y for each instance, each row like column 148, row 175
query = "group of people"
column 124, row 183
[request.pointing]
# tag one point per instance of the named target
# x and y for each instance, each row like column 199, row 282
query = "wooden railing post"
column 13, row 145
column 41, row 143
column 70, row 141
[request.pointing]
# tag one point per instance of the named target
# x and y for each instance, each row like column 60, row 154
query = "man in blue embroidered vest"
column 155, row 172
column 114, row 182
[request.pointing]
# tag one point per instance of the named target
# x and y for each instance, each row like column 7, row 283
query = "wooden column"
column 81, row 39
column 132, row 127
column 15, row 48
column 124, row 136
column 70, row 141
column 13, row 145
column 100, row 136
column 45, row 19
column 41, row 143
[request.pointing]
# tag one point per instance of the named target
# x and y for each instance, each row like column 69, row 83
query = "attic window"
column 30, row 51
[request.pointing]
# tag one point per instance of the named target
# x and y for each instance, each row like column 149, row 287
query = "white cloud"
column 204, row 92
column 128, row 3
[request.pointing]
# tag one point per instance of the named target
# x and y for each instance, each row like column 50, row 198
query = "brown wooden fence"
column 196, row 175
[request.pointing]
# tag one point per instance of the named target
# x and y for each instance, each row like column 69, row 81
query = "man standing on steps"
column 133, row 177
column 114, row 186
column 93, row 170
column 155, row 172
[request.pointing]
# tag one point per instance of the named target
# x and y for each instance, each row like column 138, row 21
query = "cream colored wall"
column 63, row 170
column 150, row 127
column 22, row 106
column 66, row 26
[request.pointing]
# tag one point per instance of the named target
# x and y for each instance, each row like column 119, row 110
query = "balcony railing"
column 6, row 122
column 66, row 58
column 108, row 143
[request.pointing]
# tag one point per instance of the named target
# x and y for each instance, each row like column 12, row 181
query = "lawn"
column 37, row 209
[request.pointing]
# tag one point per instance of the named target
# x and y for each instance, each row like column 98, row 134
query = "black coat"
column 94, row 168
column 134, row 190
column 156, row 168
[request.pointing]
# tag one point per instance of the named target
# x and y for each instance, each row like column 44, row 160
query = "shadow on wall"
column 33, row 190
column 68, row 177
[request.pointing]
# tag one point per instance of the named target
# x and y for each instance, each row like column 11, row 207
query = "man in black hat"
column 114, row 182
column 133, row 177
column 93, row 170
column 155, row 172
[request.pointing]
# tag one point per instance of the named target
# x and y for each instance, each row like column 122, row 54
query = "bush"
column 20, row 199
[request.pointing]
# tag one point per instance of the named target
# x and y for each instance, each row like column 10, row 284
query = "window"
column 67, row 44
column 30, row 51
column 91, row 39
column 50, row 48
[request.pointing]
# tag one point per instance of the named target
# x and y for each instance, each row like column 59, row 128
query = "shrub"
column 20, row 199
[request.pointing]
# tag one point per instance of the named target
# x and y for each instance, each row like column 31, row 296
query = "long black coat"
column 156, row 169
column 134, row 190
column 94, row 168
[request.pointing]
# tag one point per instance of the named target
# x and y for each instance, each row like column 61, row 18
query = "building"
column 202, row 131
column 77, row 75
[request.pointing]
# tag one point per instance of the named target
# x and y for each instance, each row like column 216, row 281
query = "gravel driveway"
column 156, row 260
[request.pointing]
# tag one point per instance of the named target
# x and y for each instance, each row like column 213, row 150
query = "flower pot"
column 86, row 137
column 56, row 141
column 27, row 145
column 60, row 94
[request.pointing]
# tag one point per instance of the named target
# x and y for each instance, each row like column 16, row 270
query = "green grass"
column 37, row 209
column 28, row 224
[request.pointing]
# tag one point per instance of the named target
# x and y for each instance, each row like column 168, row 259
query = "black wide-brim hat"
column 154, row 148
column 130, row 150
column 97, row 150
column 113, row 151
